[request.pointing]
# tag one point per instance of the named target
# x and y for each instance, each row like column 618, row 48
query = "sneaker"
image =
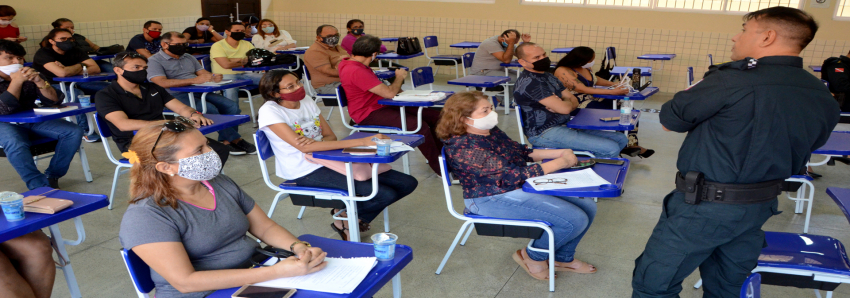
column 245, row 146
column 91, row 139
column 54, row 182
column 235, row 150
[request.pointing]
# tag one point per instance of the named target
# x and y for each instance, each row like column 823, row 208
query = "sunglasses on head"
column 178, row 125
column 125, row 55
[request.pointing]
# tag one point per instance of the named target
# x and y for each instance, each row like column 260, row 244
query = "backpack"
column 408, row 46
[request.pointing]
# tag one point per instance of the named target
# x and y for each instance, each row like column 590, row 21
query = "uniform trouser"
column 722, row 240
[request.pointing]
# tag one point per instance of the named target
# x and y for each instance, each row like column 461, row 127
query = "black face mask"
column 237, row 35
column 177, row 49
column 357, row 31
column 135, row 77
column 65, row 45
column 542, row 64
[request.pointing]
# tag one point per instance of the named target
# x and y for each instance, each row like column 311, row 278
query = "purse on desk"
column 42, row 204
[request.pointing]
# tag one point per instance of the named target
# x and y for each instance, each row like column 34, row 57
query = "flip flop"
column 583, row 268
column 341, row 232
column 517, row 256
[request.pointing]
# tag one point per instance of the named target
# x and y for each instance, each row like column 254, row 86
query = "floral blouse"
column 489, row 165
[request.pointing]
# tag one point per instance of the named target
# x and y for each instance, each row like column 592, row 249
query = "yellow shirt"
column 222, row 49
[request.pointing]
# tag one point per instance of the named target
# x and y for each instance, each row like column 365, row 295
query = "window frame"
column 835, row 15
column 653, row 5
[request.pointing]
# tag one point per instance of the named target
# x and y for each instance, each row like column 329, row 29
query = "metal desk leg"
column 353, row 231
column 507, row 99
column 64, row 261
column 192, row 100
column 73, row 96
column 83, row 160
column 397, row 286
column 404, row 160
column 204, row 101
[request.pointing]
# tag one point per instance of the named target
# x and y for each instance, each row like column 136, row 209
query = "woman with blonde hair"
column 189, row 223
column 492, row 169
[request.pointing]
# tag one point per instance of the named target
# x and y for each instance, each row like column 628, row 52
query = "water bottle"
column 85, row 72
column 625, row 112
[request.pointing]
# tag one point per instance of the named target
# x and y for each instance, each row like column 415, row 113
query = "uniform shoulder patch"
column 743, row 64
column 839, row 69
column 694, row 84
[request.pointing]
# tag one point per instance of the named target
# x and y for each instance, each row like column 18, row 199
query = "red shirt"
column 356, row 80
column 9, row 31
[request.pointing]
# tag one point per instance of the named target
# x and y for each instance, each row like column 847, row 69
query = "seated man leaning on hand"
column 546, row 106
column 129, row 104
column 230, row 53
column 20, row 88
column 173, row 67
column 322, row 59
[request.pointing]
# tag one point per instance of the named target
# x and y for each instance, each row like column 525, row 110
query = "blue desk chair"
column 689, row 77
column 122, row 165
column 423, row 76
column 343, row 114
column 300, row 195
column 752, row 286
column 140, row 273
column 449, row 60
column 467, row 61
column 325, row 97
column 493, row 226
column 710, row 60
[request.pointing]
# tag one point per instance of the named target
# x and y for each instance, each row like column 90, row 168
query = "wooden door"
column 222, row 12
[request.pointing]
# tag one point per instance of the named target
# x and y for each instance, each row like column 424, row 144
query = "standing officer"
column 751, row 124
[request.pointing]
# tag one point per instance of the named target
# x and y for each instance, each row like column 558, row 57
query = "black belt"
column 696, row 189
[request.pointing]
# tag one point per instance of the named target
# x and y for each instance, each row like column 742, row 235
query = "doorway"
column 223, row 12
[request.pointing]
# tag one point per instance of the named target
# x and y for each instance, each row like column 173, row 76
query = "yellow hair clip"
column 131, row 156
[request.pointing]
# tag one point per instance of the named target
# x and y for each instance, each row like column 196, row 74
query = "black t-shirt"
column 47, row 55
column 82, row 44
column 149, row 107
column 193, row 34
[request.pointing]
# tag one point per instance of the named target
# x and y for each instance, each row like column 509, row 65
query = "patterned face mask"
column 200, row 167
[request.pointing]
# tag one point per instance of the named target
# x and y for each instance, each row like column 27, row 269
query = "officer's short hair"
column 794, row 24
column 366, row 45
column 520, row 50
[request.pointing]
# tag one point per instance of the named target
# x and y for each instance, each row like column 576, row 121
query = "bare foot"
column 575, row 266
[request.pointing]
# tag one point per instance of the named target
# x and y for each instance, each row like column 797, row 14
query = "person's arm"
column 187, row 111
column 691, row 107
column 165, row 82
column 328, row 70
column 124, row 123
column 215, row 36
column 327, row 133
column 393, row 89
column 558, row 105
column 560, row 158
column 285, row 133
column 569, row 79
column 230, row 63
column 275, row 235
column 62, row 71
column 486, row 163
column 144, row 52
column 91, row 66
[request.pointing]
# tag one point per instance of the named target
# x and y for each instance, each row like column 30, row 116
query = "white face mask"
column 5, row 22
column 11, row 68
column 486, row 122
column 253, row 30
column 589, row 64
column 203, row 27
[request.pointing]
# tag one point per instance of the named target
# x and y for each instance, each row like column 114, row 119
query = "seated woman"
column 492, row 169
column 189, row 224
column 26, row 266
column 271, row 38
column 202, row 32
column 83, row 44
column 295, row 127
column 575, row 71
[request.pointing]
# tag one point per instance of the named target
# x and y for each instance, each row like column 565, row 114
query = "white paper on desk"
column 575, row 179
column 340, row 276
column 395, row 147
column 420, row 95
column 300, row 48
column 214, row 83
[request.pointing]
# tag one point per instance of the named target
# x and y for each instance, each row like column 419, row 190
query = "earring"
column 172, row 175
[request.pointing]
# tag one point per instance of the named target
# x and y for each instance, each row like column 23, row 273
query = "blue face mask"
column 504, row 44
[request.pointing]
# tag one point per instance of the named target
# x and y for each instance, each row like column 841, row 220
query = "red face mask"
column 154, row 34
column 298, row 95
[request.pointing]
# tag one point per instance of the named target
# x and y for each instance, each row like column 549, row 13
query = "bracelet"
column 292, row 247
column 46, row 85
column 198, row 112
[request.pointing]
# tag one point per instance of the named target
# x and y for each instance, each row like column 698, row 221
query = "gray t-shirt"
column 484, row 59
column 214, row 239
column 161, row 64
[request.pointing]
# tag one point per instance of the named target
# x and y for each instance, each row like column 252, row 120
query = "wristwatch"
column 292, row 247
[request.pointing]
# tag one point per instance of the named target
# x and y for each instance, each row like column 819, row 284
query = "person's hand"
column 243, row 61
column 203, row 78
column 211, row 29
column 217, row 77
column 620, row 91
column 289, row 46
column 569, row 158
column 11, row 39
column 367, row 141
column 19, row 76
column 200, row 120
column 400, row 73
column 301, row 248
column 304, row 141
column 22, row 38
column 526, row 37
column 306, row 264
column 30, row 74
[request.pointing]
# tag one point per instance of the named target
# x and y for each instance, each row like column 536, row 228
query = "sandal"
column 364, row 226
column 630, row 151
column 517, row 256
column 341, row 232
column 582, row 267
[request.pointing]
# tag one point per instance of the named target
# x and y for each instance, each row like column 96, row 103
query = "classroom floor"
column 482, row 268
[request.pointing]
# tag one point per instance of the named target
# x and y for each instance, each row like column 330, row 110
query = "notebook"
column 213, row 84
column 340, row 276
column 54, row 110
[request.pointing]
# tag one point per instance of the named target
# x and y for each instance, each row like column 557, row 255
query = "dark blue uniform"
column 748, row 121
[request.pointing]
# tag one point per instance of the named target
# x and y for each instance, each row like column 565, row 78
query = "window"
column 842, row 10
column 731, row 6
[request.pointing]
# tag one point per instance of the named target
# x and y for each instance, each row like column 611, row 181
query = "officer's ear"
column 768, row 38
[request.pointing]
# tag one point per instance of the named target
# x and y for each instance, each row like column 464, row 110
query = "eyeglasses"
column 178, row 125
column 293, row 87
column 552, row 181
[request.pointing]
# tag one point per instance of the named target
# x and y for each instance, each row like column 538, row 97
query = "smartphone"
column 610, row 119
column 608, row 161
column 252, row 291
column 644, row 86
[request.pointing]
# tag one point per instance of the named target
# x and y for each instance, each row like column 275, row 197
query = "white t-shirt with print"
column 289, row 161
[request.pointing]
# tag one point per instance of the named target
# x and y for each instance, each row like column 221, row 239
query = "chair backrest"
column 431, row 41
column 207, row 63
column 467, row 59
column 102, row 127
column 519, row 124
column 690, row 75
column 340, row 97
column 140, row 272
column 612, row 53
column 752, row 286
column 710, row 60
column 447, row 182
column 309, row 86
column 264, row 147
column 423, row 76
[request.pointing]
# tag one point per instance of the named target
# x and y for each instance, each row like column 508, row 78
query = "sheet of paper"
column 340, row 276
column 420, row 95
column 215, row 83
column 575, row 179
column 301, row 48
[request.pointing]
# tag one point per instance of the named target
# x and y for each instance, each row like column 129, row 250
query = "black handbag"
column 605, row 70
column 110, row 50
column 408, row 46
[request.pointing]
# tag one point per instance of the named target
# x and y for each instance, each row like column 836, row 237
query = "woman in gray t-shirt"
column 189, row 224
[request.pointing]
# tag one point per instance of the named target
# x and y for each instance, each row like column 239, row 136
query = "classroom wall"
column 633, row 32
column 39, row 12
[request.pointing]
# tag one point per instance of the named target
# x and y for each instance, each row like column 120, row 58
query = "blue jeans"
column 392, row 186
column 233, row 93
column 15, row 140
column 570, row 218
column 105, row 66
column 603, row 144
column 216, row 104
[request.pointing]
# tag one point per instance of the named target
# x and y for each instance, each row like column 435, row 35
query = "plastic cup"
column 383, row 146
column 13, row 205
column 384, row 246
column 84, row 100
